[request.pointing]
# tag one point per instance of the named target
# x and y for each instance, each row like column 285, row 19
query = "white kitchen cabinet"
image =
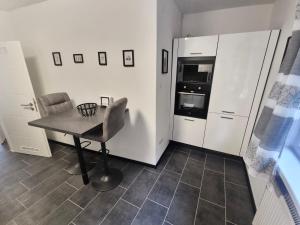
column 239, row 61
column 198, row 46
column 189, row 130
column 225, row 133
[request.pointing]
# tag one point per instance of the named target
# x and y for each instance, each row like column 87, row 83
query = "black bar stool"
column 114, row 120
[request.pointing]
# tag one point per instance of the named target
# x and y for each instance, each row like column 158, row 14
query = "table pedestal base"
column 105, row 182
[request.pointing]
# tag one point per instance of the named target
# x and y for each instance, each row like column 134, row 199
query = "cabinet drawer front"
column 237, row 71
column 189, row 130
column 198, row 46
column 225, row 133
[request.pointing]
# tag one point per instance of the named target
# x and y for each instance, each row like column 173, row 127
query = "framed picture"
column 104, row 101
column 102, row 58
column 78, row 58
column 128, row 58
column 165, row 59
column 57, row 58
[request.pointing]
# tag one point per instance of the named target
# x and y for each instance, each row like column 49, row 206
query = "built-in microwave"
column 195, row 69
column 193, row 86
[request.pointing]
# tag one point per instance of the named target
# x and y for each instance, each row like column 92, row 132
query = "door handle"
column 189, row 120
column 228, row 112
column 196, row 53
column 27, row 105
column 228, row 118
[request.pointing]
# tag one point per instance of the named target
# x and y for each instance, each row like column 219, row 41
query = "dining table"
column 73, row 123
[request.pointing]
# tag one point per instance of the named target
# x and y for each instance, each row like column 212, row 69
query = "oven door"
column 191, row 104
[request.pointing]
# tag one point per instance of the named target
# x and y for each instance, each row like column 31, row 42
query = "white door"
column 17, row 103
column 238, row 66
column 225, row 133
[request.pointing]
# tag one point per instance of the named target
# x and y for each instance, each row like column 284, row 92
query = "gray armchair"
column 114, row 120
column 55, row 103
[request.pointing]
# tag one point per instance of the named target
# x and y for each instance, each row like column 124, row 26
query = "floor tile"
column 213, row 187
column 46, row 162
column 177, row 162
column 99, row 207
column 44, row 174
column 197, row 155
column 12, row 178
column 215, row 163
column 192, row 173
column 84, row 195
column 162, row 162
column 30, row 159
column 183, row 207
column 167, row 223
column 55, row 146
column 139, row 190
column 209, row 214
column 122, row 214
column 117, row 163
column 182, row 149
column 164, row 189
column 76, row 181
column 15, row 190
column 9, row 209
column 36, row 213
column 8, row 167
column 150, row 214
column 35, row 194
column 238, row 205
column 63, row 215
column 235, row 172
column 130, row 172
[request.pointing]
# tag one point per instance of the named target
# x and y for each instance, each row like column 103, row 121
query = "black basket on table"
column 87, row 109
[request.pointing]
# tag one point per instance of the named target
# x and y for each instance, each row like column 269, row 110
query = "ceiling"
column 186, row 6
column 194, row 6
column 7, row 5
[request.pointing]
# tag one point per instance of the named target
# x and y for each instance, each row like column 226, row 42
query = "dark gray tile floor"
column 188, row 187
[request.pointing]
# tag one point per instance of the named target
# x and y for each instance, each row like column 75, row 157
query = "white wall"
column 6, row 34
column 168, row 26
column 6, row 31
column 76, row 26
column 233, row 20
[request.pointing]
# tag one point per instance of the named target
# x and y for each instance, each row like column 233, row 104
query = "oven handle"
column 187, row 93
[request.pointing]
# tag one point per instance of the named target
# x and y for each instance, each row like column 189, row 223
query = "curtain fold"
column 280, row 112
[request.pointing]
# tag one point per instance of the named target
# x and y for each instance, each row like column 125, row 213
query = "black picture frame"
column 128, row 58
column 104, row 101
column 78, row 58
column 102, row 60
column 164, row 61
column 57, row 58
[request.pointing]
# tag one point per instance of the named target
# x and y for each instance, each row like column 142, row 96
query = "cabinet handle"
column 225, row 117
column 189, row 120
column 228, row 112
column 196, row 53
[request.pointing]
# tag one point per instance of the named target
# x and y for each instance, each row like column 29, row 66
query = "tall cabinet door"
column 238, row 65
